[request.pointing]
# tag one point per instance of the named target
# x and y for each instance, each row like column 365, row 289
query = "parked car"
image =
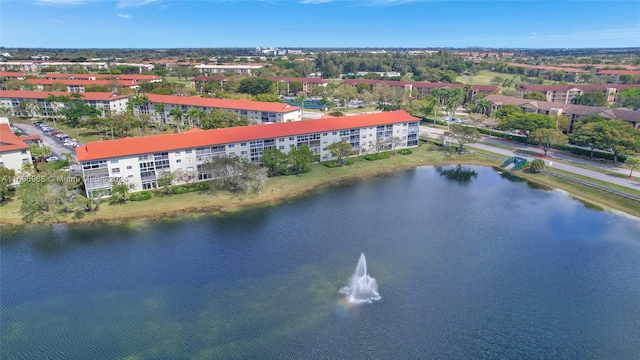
column 38, row 123
column 48, row 130
column 52, row 158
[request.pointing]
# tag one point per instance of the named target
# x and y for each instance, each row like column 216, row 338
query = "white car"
column 52, row 158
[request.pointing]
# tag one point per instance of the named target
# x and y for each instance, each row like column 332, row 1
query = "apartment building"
column 14, row 152
column 134, row 78
column 243, row 69
column 257, row 111
column 142, row 160
column 308, row 84
column 100, row 100
column 573, row 112
column 617, row 76
column 420, row 88
column 565, row 93
column 81, row 85
column 12, row 75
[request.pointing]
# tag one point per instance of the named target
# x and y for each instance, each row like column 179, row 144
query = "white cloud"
column 534, row 35
column 57, row 21
column 124, row 16
column 124, row 4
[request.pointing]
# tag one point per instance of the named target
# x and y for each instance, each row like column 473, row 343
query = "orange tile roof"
column 24, row 94
column 191, row 139
column 11, row 74
column 138, row 77
column 80, row 82
column 276, row 107
column 9, row 141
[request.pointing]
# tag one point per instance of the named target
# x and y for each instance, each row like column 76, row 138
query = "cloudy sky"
column 319, row 23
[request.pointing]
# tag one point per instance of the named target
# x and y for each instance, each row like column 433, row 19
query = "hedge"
column 585, row 152
column 183, row 189
column 334, row 164
column 378, row 156
column 290, row 172
column 140, row 196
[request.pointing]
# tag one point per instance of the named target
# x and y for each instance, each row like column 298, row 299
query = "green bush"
column 182, row 189
column 537, row 165
column 334, row 164
column 585, row 152
column 290, row 172
column 140, row 196
column 379, row 156
column 336, row 113
column 405, row 151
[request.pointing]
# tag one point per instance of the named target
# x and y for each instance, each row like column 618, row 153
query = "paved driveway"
column 56, row 146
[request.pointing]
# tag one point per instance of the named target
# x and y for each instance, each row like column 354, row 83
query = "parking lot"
column 56, row 145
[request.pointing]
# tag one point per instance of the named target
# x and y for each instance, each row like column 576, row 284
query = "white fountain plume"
column 362, row 287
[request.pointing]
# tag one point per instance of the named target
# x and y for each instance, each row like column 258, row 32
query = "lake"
column 469, row 263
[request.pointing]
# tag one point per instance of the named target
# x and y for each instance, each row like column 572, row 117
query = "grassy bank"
column 280, row 188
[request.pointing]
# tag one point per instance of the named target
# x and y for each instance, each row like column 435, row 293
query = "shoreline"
column 209, row 204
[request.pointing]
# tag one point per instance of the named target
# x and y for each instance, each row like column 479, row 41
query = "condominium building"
column 14, row 152
column 565, row 93
column 107, row 102
column 81, row 85
column 12, row 75
column 308, row 84
column 257, row 111
column 573, row 112
column 134, row 78
column 246, row 69
column 142, row 160
column 422, row 88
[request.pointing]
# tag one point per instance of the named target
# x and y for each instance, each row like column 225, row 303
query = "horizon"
column 320, row 24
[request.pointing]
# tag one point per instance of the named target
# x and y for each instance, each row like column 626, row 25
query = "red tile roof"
column 23, row 94
column 545, row 88
column 302, row 80
column 9, row 141
column 11, row 74
column 80, row 82
column 192, row 139
column 375, row 82
column 276, row 107
column 128, row 77
column 618, row 72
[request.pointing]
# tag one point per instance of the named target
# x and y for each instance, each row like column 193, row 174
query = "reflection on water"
column 491, row 269
column 457, row 173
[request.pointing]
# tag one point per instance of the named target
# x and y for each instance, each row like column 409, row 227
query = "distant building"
column 244, row 69
column 565, row 93
column 573, row 112
column 14, row 152
column 105, row 101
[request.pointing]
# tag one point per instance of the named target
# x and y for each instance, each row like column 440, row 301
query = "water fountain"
column 362, row 287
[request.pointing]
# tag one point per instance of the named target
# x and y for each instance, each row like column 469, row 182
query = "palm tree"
column 325, row 102
column 484, row 106
column 195, row 114
column 177, row 115
column 159, row 108
column 455, row 97
column 300, row 100
column 468, row 93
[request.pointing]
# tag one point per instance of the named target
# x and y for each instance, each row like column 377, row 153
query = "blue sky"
column 318, row 23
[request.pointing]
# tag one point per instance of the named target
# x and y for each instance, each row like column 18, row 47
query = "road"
column 626, row 182
column 56, row 146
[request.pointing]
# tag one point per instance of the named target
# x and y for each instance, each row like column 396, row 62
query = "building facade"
column 14, row 152
column 257, row 111
column 573, row 112
column 106, row 102
column 142, row 161
column 565, row 93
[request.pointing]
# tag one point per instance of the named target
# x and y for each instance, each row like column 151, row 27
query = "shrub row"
column 183, row 189
column 378, row 156
column 140, row 196
column 334, row 164
column 405, row 151
column 290, row 172
column 585, row 152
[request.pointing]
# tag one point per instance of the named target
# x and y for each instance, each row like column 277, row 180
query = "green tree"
column 35, row 200
column 537, row 165
column 340, row 150
column 592, row 98
column 630, row 98
column 257, row 85
column 295, row 87
column 506, row 110
column 159, row 108
column 546, row 138
column 218, row 119
column 119, row 190
column 592, row 135
column 362, row 87
column 535, row 95
column 6, row 181
column 177, row 114
column 75, row 110
column 29, row 108
column 235, row 172
column 267, row 98
column 195, row 116
column 463, row 134
column 631, row 161
column 275, row 160
column 623, row 138
column 527, row 122
column 299, row 100
column 38, row 153
column 165, row 180
column 58, row 86
column 300, row 157
column 483, row 107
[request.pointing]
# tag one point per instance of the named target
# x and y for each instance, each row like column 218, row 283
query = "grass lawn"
column 484, row 78
column 178, row 80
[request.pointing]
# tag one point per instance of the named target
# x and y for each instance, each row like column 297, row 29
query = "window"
column 281, row 147
column 334, row 133
column 324, row 134
column 24, row 152
column 188, row 151
column 291, row 138
column 243, row 152
column 233, row 153
column 128, row 167
column 281, row 139
column 114, row 161
column 190, row 168
column 177, row 153
column 178, row 161
column 243, row 144
column 115, row 170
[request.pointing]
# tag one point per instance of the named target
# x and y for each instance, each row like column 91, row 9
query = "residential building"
column 14, row 152
column 573, row 112
column 616, row 76
column 12, row 75
column 244, row 69
column 81, row 85
column 257, row 111
column 308, row 84
column 100, row 100
column 419, row 88
column 565, row 93
column 142, row 160
column 134, row 78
